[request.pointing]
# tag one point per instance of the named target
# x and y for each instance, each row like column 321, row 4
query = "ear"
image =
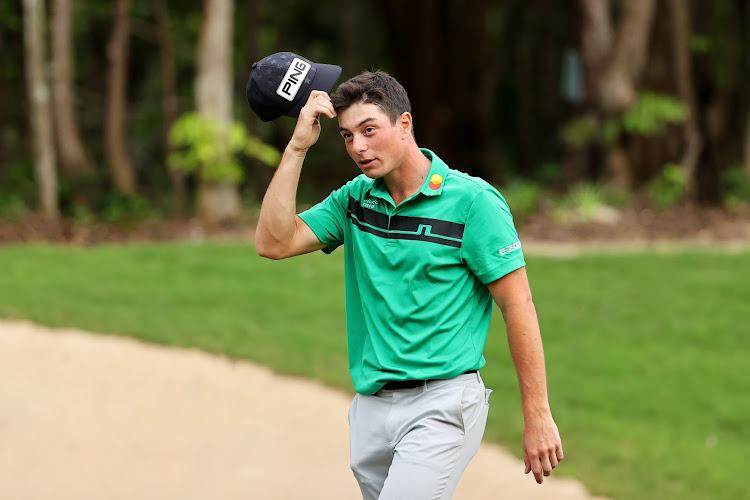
column 404, row 123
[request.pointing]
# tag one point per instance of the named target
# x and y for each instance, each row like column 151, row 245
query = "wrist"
column 295, row 150
column 536, row 409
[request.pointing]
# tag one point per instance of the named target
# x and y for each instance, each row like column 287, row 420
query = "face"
column 375, row 145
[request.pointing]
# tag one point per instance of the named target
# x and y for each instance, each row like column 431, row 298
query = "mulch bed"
column 685, row 223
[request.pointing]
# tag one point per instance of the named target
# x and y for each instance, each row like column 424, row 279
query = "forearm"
column 276, row 223
column 525, row 344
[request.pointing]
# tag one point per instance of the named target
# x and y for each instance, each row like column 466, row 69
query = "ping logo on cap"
column 293, row 79
column 435, row 182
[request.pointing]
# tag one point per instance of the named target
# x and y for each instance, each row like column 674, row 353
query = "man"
column 427, row 249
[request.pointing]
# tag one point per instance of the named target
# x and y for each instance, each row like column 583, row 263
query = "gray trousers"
column 414, row 444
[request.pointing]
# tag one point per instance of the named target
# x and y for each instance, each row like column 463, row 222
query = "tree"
column 169, row 97
column 218, row 201
column 451, row 108
column 114, row 134
column 73, row 159
column 39, row 105
column 614, row 60
column 692, row 138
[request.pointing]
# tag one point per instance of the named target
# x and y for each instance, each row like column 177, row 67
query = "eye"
column 347, row 136
column 369, row 130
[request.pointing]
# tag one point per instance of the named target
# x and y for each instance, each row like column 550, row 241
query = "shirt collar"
column 432, row 186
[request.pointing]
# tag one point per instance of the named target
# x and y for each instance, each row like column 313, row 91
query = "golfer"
column 427, row 250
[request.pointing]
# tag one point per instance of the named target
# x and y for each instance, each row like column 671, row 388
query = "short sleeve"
column 327, row 219
column 490, row 246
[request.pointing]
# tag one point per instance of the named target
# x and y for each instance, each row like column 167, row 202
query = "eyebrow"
column 342, row 129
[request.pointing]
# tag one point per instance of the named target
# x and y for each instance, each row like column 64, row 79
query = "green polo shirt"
column 417, row 304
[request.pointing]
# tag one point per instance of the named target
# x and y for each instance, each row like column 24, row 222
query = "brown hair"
column 377, row 88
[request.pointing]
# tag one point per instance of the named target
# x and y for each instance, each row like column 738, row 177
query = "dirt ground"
column 86, row 416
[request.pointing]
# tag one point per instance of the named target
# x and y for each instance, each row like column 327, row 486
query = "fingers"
column 546, row 465
column 553, row 459
column 307, row 130
column 527, row 462
column 536, row 468
column 319, row 103
column 559, row 452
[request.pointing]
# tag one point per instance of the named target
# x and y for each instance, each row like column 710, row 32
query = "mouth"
column 366, row 163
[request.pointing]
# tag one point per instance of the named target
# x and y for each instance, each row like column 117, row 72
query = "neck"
column 405, row 180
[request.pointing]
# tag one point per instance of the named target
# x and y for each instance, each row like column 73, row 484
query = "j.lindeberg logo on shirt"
column 370, row 203
column 510, row 248
column 293, row 79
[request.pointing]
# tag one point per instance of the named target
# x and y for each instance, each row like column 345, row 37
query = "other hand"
column 542, row 447
column 307, row 131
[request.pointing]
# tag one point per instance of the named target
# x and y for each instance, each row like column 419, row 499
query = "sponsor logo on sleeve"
column 293, row 79
column 510, row 248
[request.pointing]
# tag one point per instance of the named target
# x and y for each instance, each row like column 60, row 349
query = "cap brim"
column 326, row 76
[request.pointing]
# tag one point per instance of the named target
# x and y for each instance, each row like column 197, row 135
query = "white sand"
column 85, row 416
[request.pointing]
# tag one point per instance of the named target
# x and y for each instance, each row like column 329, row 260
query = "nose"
column 359, row 145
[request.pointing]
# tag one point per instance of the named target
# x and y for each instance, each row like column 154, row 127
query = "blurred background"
column 599, row 120
column 598, row 111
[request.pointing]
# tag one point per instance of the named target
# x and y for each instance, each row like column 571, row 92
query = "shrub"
column 126, row 210
column 585, row 203
column 735, row 185
column 523, row 198
column 203, row 150
column 668, row 188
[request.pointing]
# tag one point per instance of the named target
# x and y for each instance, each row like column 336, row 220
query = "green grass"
column 648, row 355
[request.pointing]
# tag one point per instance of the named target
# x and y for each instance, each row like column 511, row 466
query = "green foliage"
column 649, row 116
column 580, row 132
column 18, row 189
column 584, row 131
column 523, row 198
column 637, row 372
column 211, row 153
column 83, row 215
column 12, row 206
column 700, row 44
column 585, row 203
column 10, row 16
column 549, row 173
column 125, row 210
column 735, row 185
column 668, row 188
column 651, row 113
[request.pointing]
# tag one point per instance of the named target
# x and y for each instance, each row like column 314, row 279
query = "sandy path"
column 101, row 417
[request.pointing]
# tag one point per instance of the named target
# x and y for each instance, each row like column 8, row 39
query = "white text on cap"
column 293, row 79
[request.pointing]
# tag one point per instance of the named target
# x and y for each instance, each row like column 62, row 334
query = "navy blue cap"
column 280, row 84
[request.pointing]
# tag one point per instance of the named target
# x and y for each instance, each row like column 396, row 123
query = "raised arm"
column 280, row 233
column 542, row 447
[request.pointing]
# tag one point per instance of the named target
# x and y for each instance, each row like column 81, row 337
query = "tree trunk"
column 169, row 98
column 616, row 90
column 74, row 163
column 217, row 202
column 684, row 80
column 40, row 107
column 597, row 38
column 613, row 67
column 114, row 133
